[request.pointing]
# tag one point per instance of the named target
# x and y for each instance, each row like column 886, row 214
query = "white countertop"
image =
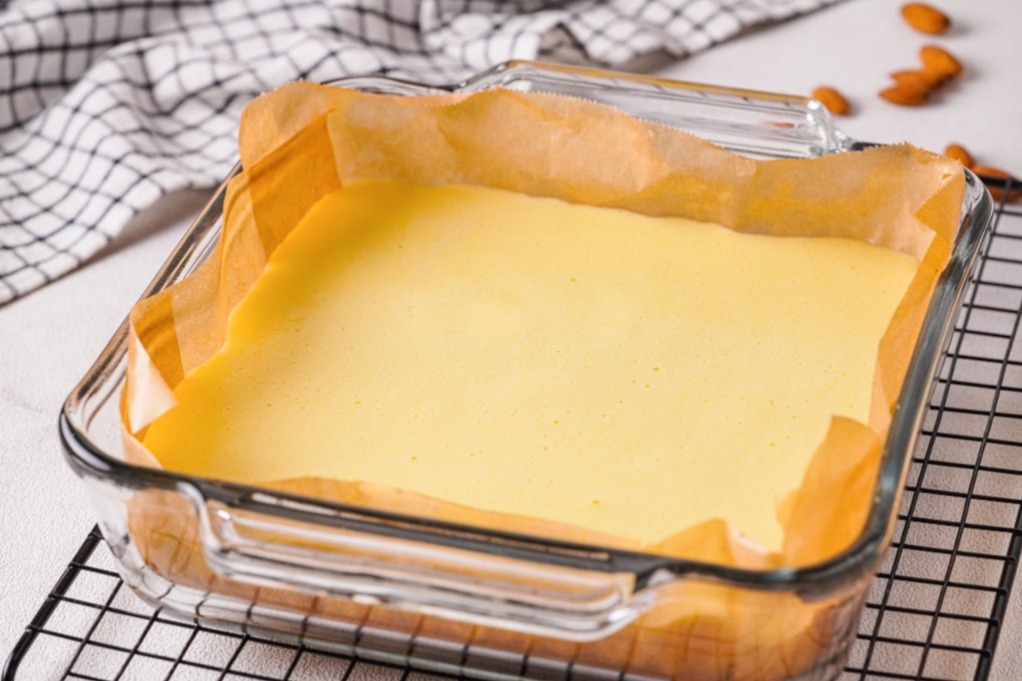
column 49, row 338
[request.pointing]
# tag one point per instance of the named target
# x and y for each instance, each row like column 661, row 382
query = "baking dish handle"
column 487, row 589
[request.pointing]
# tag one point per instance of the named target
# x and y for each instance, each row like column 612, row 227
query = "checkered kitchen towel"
column 106, row 105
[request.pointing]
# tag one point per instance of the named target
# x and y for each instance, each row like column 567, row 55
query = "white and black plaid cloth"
column 106, row 105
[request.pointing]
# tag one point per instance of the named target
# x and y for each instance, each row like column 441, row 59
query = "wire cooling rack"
column 935, row 610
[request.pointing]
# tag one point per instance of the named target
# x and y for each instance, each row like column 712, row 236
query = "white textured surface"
column 49, row 338
column 47, row 341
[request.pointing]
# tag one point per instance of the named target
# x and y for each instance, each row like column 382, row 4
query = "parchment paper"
column 304, row 141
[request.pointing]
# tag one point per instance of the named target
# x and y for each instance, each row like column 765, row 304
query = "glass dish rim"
column 88, row 459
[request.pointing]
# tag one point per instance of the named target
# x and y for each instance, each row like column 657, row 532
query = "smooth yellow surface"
column 628, row 374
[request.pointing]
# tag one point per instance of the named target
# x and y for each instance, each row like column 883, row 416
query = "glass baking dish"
column 489, row 604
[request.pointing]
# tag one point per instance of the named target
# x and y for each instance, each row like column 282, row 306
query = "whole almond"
column 904, row 96
column 960, row 154
column 833, row 100
column 918, row 79
column 925, row 18
column 939, row 61
column 998, row 192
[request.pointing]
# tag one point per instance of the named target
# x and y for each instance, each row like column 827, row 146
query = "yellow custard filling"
column 626, row 374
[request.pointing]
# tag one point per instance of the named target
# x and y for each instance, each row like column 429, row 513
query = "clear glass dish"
column 489, row 604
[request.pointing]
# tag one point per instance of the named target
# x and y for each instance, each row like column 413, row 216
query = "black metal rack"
column 935, row 610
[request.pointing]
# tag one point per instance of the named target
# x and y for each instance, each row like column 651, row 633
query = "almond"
column 833, row 100
column 939, row 61
column 925, row 18
column 960, row 154
column 998, row 192
column 904, row 96
column 917, row 79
